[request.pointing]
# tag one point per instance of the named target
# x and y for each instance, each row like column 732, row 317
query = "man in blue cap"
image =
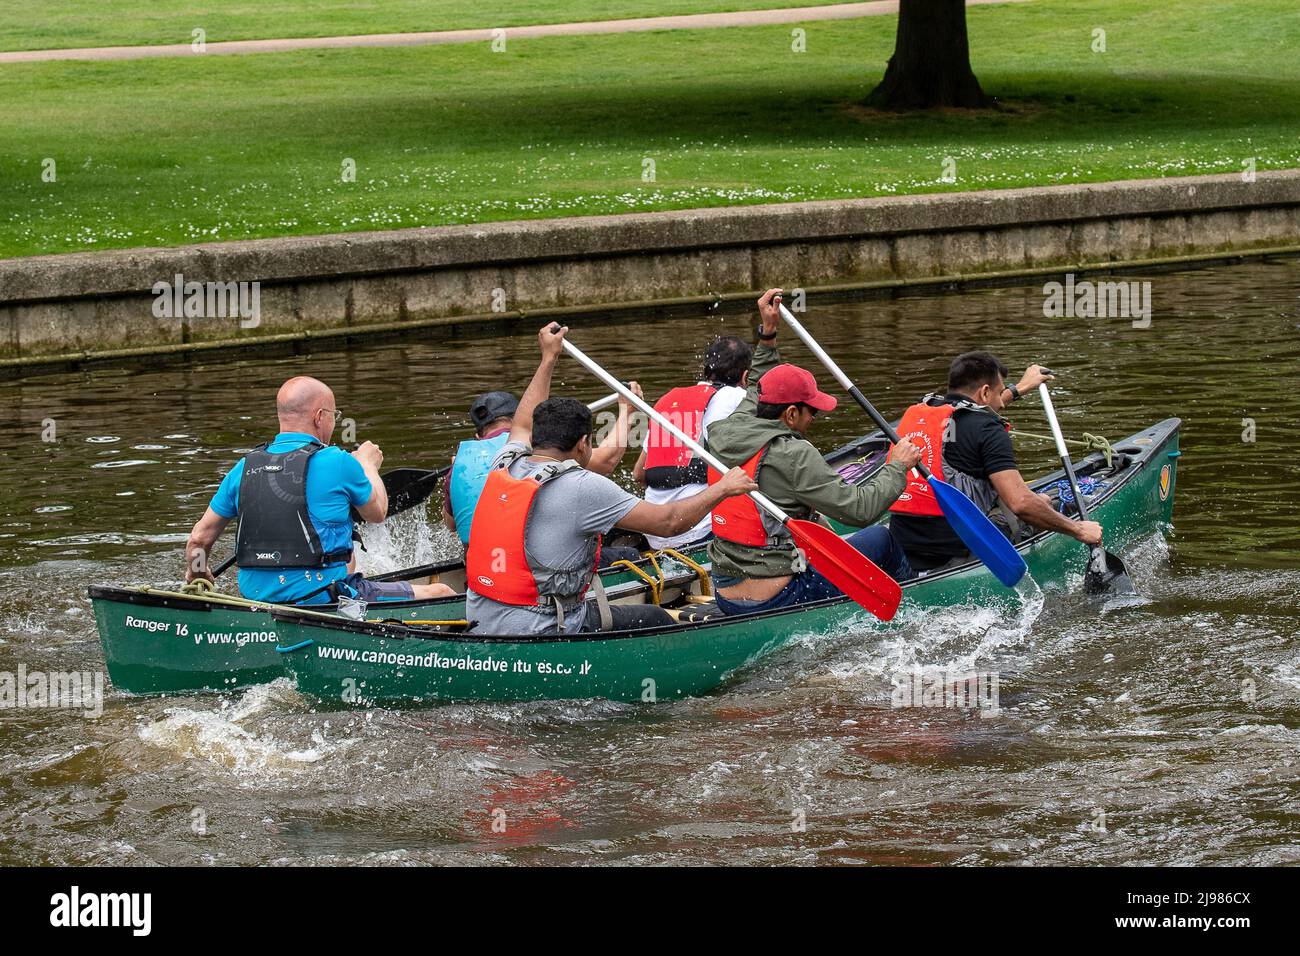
column 492, row 414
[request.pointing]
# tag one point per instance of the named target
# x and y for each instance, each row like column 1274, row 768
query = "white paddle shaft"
column 602, row 403
column 1050, row 410
column 1098, row 554
column 833, row 367
column 759, row 499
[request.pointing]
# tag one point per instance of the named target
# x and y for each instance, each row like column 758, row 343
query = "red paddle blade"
column 847, row 568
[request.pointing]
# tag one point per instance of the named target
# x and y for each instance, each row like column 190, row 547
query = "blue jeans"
column 875, row 542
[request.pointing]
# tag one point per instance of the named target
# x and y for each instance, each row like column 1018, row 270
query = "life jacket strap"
column 963, row 405
column 602, row 603
column 1014, row 524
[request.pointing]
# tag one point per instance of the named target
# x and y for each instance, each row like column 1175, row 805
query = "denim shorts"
column 804, row 587
column 358, row 586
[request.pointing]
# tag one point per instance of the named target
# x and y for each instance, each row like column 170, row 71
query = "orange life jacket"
column 669, row 463
column 738, row 519
column 496, row 564
column 925, row 425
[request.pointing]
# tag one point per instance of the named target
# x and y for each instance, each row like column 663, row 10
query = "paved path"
column 698, row 21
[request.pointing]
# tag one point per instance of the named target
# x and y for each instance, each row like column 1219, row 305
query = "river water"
column 1164, row 733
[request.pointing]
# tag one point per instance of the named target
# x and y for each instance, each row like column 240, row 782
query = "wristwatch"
column 765, row 337
column 1015, row 393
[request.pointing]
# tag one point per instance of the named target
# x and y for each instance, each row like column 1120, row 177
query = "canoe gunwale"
column 149, row 598
column 1134, row 460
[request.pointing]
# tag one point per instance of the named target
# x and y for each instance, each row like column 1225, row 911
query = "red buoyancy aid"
column 925, row 425
column 685, row 408
column 496, row 564
column 737, row 519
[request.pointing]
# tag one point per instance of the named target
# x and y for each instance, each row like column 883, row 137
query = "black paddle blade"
column 1106, row 574
column 408, row 487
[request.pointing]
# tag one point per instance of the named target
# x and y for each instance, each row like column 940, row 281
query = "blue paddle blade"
column 979, row 534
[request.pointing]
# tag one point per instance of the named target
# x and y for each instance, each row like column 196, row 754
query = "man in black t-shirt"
column 977, row 458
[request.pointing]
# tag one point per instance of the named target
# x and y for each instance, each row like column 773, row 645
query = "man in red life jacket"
column 967, row 444
column 755, row 563
column 667, row 469
column 535, row 540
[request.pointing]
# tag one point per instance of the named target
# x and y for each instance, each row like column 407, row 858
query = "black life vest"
column 275, row 529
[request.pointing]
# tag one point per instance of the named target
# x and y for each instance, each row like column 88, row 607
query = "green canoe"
column 346, row 663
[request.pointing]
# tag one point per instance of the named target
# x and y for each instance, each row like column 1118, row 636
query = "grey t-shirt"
column 567, row 514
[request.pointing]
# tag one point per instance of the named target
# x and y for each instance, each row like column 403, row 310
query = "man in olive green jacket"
column 756, row 565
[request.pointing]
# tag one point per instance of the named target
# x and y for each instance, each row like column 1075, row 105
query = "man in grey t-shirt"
column 569, row 512
column 567, row 515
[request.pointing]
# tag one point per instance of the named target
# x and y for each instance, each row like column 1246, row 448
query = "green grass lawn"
column 161, row 152
column 45, row 24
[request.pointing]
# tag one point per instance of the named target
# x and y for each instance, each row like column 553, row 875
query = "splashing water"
column 218, row 736
column 405, row 541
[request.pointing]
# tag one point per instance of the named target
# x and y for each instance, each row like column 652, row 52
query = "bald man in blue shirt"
column 294, row 498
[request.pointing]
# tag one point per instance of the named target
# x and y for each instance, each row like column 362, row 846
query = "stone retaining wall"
column 100, row 305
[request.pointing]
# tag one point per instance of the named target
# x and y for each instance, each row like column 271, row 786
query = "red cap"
column 787, row 384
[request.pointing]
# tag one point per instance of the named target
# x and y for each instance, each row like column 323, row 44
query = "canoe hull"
column 360, row 664
column 362, row 670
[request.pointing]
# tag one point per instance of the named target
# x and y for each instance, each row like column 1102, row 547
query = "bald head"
column 298, row 403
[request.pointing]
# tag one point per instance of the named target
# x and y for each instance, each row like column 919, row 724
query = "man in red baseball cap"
column 791, row 385
column 755, row 563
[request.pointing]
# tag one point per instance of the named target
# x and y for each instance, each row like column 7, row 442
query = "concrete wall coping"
column 133, row 271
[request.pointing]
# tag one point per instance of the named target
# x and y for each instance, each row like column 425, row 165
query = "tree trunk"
column 931, row 62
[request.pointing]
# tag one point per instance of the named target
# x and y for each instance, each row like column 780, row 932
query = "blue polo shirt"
column 336, row 483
